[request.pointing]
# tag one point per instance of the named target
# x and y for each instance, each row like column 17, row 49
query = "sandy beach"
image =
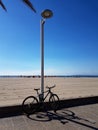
column 14, row 90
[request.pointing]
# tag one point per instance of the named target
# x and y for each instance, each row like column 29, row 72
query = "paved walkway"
column 75, row 118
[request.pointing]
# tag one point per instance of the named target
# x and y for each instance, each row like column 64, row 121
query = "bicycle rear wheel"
column 54, row 102
column 29, row 105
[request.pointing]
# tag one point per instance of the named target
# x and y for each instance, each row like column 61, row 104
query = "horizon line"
column 73, row 75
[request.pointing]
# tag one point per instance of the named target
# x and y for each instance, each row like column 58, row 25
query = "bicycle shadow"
column 63, row 116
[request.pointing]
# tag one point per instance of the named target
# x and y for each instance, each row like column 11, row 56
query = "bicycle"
column 33, row 104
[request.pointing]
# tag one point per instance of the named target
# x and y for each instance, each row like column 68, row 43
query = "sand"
column 14, row 90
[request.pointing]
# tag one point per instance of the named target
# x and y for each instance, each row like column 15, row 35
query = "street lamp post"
column 45, row 14
column 42, row 56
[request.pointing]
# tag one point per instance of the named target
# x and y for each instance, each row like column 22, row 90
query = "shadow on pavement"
column 16, row 110
column 63, row 116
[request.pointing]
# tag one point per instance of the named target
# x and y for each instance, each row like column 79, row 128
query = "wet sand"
column 14, row 90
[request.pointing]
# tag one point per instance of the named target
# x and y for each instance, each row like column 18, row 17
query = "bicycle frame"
column 41, row 98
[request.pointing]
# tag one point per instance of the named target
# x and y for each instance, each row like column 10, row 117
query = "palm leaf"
column 27, row 2
column 2, row 5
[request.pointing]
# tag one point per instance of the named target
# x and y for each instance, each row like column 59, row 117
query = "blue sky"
column 71, row 38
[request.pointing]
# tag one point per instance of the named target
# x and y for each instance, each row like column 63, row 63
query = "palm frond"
column 27, row 2
column 2, row 5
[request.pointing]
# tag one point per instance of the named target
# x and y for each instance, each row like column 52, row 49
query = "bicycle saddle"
column 36, row 89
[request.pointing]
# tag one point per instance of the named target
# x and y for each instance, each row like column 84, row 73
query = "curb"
column 16, row 110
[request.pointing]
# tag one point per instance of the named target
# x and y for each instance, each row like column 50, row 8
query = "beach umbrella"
column 27, row 2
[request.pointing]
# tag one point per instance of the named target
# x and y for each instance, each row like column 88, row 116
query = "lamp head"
column 47, row 13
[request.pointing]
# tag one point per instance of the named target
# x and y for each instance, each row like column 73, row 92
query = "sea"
column 38, row 76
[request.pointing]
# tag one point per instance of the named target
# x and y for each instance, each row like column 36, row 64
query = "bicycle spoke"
column 29, row 105
column 54, row 102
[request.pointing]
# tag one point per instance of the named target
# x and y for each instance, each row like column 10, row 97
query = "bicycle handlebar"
column 46, row 87
column 50, row 87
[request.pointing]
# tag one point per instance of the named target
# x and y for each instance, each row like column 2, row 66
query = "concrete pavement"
column 73, row 118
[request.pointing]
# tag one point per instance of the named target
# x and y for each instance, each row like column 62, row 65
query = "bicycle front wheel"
column 29, row 105
column 54, row 102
